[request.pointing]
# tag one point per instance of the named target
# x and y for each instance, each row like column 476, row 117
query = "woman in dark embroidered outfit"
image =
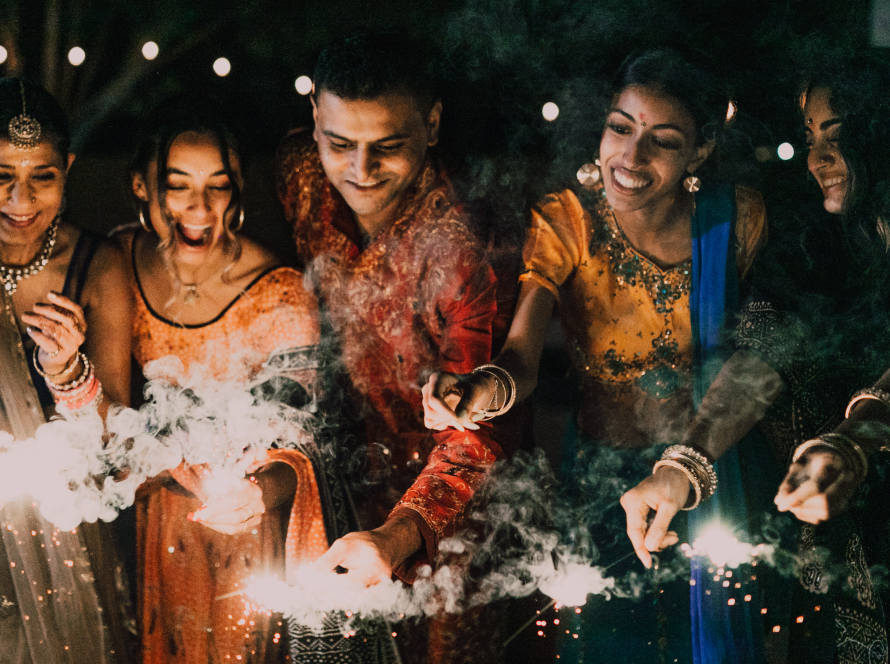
column 209, row 297
column 643, row 273
column 67, row 312
column 818, row 316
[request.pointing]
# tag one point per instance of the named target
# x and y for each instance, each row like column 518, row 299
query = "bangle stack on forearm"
column 844, row 446
column 78, row 393
column 502, row 380
column 698, row 470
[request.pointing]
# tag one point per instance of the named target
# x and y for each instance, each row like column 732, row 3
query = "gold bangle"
column 49, row 376
column 869, row 393
column 845, row 447
column 690, row 475
column 698, row 462
column 507, row 379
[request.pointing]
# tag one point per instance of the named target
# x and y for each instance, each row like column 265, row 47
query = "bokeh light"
column 550, row 111
column 3, row 55
column 303, row 85
column 785, row 151
column 76, row 56
column 222, row 67
column 150, row 50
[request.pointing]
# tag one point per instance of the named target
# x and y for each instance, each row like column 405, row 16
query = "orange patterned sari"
column 184, row 566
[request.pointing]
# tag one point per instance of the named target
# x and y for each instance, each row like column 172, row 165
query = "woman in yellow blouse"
column 643, row 270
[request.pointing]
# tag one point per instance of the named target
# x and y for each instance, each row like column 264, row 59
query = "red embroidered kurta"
column 420, row 298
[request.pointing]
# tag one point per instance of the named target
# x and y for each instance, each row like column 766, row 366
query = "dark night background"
column 501, row 61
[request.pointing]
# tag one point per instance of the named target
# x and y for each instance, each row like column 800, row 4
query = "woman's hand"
column 817, row 487
column 236, row 512
column 58, row 328
column 457, row 400
column 665, row 493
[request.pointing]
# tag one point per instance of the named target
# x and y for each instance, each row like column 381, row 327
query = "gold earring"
column 240, row 222
column 691, row 184
column 589, row 174
column 143, row 222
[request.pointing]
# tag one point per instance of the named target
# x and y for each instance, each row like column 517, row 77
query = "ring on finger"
column 55, row 352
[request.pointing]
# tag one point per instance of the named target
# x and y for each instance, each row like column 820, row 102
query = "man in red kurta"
column 403, row 282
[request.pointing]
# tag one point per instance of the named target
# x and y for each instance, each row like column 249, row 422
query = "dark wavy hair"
column 859, row 89
column 693, row 81
column 164, row 124
column 40, row 105
column 368, row 65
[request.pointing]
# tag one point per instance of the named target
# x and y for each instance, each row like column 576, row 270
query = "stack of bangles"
column 698, row 470
column 845, row 447
column 850, row 452
column 502, row 381
column 83, row 391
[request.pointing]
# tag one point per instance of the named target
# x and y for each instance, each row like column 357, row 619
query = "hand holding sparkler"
column 817, row 487
column 650, row 507
column 234, row 512
column 370, row 556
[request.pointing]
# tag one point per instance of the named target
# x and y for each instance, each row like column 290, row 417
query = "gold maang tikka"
column 24, row 131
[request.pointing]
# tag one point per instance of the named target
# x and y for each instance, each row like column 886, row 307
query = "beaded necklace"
column 11, row 276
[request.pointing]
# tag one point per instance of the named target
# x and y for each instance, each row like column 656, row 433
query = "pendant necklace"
column 11, row 276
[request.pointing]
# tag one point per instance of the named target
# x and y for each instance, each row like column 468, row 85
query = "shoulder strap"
column 76, row 277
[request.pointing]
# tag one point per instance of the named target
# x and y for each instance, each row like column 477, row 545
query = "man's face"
column 372, row 150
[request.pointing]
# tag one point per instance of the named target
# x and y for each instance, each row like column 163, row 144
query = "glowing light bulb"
column 550, row 111
column 3, row 55
column 222, row 67
column 150, row 50
column 303, row 85
column 76, row 56
column 731, row 111
column 785, row 151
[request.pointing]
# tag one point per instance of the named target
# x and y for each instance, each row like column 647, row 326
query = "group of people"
column 711, row 361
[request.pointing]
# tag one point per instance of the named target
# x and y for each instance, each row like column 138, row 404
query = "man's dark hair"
column 366, row 66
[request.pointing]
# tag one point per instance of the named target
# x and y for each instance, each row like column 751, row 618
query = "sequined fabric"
column 184, row 566
column 626, row 319
column 419, row 298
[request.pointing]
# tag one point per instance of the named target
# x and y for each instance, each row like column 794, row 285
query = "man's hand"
column 372, row 555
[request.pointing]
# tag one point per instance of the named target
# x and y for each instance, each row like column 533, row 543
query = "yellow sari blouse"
column 626, row 319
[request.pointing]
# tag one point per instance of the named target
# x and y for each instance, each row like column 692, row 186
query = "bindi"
column 642, row 119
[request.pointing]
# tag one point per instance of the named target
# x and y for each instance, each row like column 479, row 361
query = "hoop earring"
column 240, row 222
column 143, row 222
column 589, row 174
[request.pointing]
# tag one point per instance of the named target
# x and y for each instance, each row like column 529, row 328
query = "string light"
column 303, row 85
column 150, row 50
column 3, row 55
column 550, row 111
column 222, row 67
column 785, row 151
column 76, row 56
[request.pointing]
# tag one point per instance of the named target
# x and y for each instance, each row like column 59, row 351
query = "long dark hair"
column 858, row 92
column 161, row 128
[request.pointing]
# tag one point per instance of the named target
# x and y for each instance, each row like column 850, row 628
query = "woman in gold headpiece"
column 66, row 316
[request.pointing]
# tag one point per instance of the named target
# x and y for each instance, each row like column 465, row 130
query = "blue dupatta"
column 720, row 633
